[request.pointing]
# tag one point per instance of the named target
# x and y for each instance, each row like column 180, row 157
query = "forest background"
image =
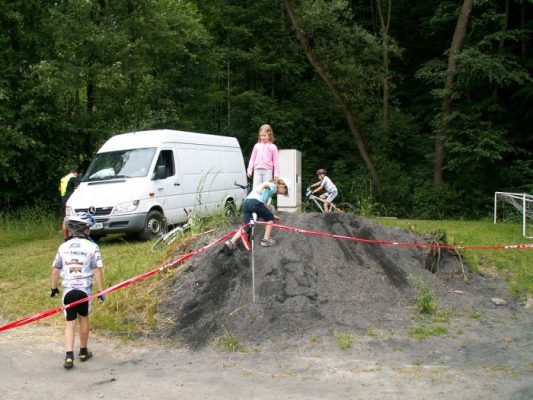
column 424, row 107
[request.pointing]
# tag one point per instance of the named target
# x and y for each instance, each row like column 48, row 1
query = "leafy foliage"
column 75, row 73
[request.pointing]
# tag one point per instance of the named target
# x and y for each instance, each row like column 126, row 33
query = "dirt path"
column 31, row 367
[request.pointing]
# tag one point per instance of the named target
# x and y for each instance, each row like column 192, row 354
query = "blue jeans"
column 255, row 206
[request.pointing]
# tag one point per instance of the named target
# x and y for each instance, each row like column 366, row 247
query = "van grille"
column 99, row 211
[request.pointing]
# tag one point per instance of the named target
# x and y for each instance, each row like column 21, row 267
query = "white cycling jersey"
column 77, row 259
column 328, row 185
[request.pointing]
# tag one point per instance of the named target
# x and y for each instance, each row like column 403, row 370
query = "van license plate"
column 98, row 225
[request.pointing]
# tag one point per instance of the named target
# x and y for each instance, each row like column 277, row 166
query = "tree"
column 385, row 27
column 440, row 138
column 339, row 98
column 79, row 72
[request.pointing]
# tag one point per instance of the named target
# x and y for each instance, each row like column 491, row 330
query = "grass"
column 422, row 332
column 29, row 243
column 426, row 301
column 513, row 265
column 344, row 342
column 229, row 342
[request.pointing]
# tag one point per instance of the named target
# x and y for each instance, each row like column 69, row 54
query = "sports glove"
column 102, row 298
column 53, row 292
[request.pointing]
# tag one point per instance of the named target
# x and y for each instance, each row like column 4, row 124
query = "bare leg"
column 326, row 206
column 70, row 332
column 237, row 236
column 84, row 331
column 268, row 230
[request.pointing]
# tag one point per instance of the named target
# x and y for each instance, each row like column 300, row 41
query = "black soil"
column 308, row 285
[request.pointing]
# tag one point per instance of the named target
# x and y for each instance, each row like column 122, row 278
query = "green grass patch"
column 344, row 342
column 513, row 265
column 422, row 332
column 29, row 244
column 229, row 342
column 426, row 300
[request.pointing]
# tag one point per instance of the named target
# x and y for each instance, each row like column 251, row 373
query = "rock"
column 498, row 301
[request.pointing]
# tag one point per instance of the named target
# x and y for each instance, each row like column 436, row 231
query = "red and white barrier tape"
column 388, row 243
column 45, row 314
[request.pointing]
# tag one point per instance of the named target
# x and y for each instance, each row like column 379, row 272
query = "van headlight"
column 69, row 211
column 127, row 207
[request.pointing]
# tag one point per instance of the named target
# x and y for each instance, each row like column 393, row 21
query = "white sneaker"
column 269, row 242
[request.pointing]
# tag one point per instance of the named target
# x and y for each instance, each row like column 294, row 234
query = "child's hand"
column 249, row 175
column 277, row 218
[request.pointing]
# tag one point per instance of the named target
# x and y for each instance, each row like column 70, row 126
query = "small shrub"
column 426, row 302
column 229, row 342
column 344, row 342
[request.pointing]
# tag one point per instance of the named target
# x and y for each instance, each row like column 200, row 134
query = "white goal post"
column 522, row 202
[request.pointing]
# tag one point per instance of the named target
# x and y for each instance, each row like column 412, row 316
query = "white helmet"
column 79, row 222
column 287, row 183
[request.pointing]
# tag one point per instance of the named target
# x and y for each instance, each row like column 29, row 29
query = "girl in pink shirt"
column 264, row 163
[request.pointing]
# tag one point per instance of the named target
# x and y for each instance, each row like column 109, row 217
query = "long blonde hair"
column 279, row 182
column 269, row 130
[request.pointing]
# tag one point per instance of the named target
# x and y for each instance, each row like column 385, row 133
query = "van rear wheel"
column 153, row 226
column 229, row 209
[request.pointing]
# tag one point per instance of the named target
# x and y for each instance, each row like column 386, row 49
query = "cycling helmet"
column 321, row 171
column 79, row 222
column 287, row 183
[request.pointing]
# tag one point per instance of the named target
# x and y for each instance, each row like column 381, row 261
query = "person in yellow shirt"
column 68, row 184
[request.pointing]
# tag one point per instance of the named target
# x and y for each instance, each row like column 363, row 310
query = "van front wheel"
column 153, row 226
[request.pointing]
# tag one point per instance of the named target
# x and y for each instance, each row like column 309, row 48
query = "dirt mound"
column 310, row 284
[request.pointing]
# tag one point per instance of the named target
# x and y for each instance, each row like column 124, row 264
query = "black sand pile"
column 309, row 284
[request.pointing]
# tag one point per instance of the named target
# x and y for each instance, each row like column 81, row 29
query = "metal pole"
column 524, row 209
column 253, row 258
column 495, row 206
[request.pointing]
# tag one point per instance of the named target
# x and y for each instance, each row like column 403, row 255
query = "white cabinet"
column 290, row 164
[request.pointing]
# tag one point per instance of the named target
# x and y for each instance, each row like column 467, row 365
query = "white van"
column 137, row 179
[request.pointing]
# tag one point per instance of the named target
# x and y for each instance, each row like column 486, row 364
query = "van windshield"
column 132, row 163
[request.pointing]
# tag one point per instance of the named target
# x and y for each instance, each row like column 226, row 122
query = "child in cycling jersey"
column 77, row 262
column 326, row 184
column 255, row 203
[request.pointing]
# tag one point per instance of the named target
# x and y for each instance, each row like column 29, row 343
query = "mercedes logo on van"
column 92, row 210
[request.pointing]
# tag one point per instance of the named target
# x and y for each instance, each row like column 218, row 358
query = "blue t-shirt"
column 265, row 193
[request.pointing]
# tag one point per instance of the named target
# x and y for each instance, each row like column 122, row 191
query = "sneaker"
column 69, row 363
column 85, row 356
column 269, row 242
column 230, row 245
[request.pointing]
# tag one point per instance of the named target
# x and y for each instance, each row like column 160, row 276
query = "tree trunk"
column 440, row 138
column 501, row 46
column 344, row 106
column 385, row 37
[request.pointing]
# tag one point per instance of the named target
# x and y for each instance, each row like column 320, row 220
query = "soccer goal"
column 515, row 207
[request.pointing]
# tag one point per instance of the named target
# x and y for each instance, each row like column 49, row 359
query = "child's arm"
column 319, row 189
column 252, row 162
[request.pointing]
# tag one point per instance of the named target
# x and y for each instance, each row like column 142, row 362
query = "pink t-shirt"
column 264, row 156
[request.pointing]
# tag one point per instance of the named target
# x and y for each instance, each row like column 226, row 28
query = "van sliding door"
column 169, row 191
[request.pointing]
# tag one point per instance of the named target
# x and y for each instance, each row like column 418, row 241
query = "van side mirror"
column 161, row 172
